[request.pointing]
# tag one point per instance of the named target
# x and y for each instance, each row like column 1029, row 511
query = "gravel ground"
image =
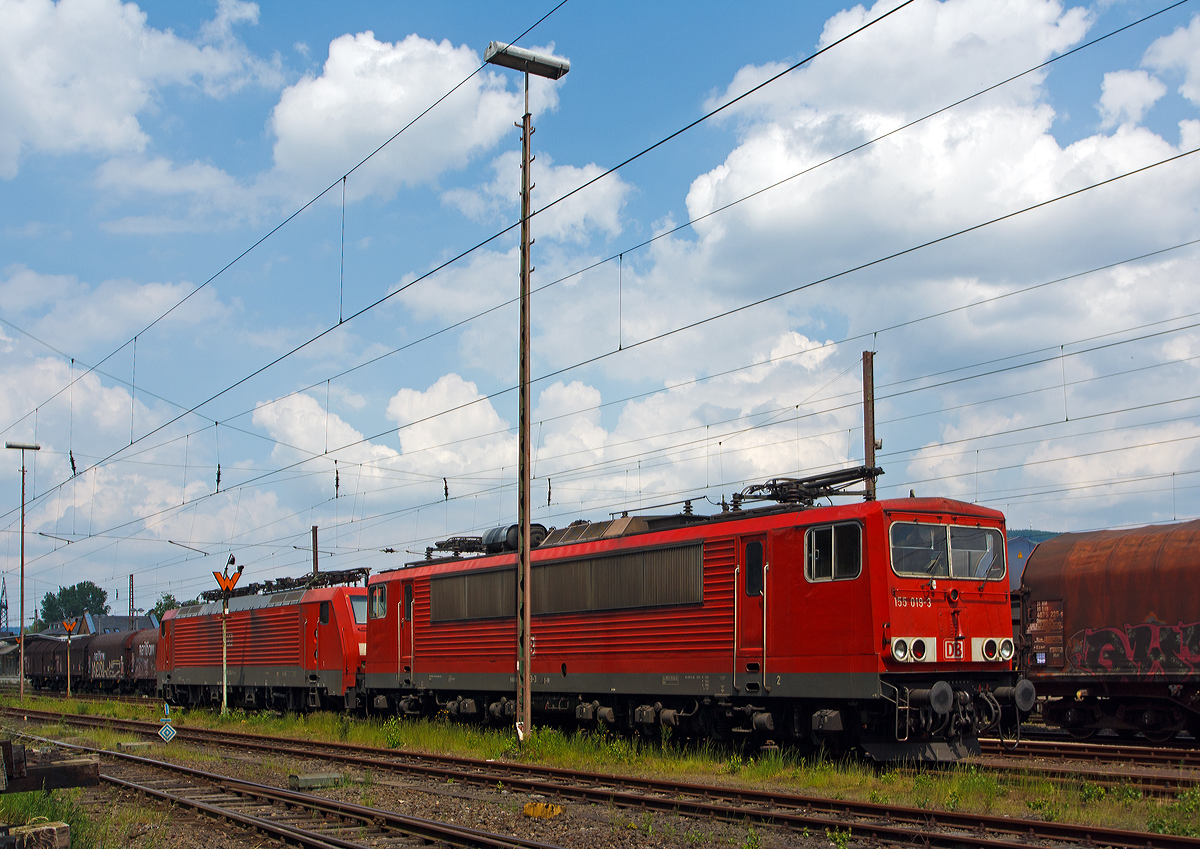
column 581, row 825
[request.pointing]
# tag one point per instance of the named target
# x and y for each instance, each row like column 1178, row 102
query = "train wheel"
column 1081, row 733
column 1161, row 736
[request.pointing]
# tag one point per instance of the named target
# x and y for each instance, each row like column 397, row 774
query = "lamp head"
column 520, row 59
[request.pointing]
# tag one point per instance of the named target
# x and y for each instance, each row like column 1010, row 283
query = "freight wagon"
column 46, row 662
column 1111, row 623
column 122, row 662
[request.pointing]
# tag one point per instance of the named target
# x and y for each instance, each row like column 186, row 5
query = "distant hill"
column 1032, row 535
column 1021, row 543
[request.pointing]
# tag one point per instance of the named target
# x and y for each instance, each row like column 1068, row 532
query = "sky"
column 278, row 240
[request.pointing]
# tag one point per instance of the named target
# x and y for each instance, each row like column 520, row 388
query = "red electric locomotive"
column 879, row 624
column 289, row 650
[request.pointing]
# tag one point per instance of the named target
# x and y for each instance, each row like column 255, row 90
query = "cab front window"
column 947, row 551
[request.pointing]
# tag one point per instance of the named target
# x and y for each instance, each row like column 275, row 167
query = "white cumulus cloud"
column 1179, row 51
column 595, row 209
column 1127, row 95
column 451, row 428
column 75, row 75
column 369, row 89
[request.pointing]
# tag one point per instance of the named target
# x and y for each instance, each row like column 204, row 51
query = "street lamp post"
column 23, row 447
column 509, row 56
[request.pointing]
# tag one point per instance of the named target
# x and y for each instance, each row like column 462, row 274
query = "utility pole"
column 22, row 447
column 869, row 420
column 314, row 541
column 132, row 613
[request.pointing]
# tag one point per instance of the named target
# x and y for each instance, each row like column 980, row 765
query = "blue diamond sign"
column 167, row 733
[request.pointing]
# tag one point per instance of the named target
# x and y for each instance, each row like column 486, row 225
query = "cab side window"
column 377, row 602
column 754, row 568
column 324, row 615
column 833, row 552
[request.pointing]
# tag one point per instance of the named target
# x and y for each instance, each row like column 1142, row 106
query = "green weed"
column 54, row 806
column 839, row 838
column 1050, row 812
column 753, row 841
column 1178, row 817
column 1127, row 794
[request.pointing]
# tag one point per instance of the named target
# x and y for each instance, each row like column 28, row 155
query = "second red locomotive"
column 288, row 648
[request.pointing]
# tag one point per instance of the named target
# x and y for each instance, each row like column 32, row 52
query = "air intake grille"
column 654, row 578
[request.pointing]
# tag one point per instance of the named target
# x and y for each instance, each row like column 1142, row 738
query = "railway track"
column 1145, row 755
column 13, row 689
column 298, row 819
column 802, row 814
column 1150, row 770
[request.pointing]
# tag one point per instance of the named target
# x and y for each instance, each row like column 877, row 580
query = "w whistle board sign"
column 227, row 582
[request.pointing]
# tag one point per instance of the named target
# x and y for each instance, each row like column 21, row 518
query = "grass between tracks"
column 962, row 787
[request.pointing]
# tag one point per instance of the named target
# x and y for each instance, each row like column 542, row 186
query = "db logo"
column 952, row 650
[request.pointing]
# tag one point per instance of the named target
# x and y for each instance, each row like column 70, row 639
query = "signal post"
column 69, row 624
column 226, row 582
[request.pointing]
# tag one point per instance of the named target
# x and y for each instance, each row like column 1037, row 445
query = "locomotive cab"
column 947, row 651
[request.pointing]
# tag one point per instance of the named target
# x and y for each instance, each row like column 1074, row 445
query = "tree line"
column 85, row 597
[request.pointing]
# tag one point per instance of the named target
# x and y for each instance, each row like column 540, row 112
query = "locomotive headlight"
column 989, row 650
column 1006, row 649
column 918, row 649
column 900, row 649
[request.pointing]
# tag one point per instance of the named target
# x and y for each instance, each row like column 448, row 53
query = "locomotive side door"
column 750, row 600
column 404, row 616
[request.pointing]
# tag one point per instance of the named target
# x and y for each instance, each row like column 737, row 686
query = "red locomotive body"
column 1111, row 623
column 289, row 650
column 881, row 624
